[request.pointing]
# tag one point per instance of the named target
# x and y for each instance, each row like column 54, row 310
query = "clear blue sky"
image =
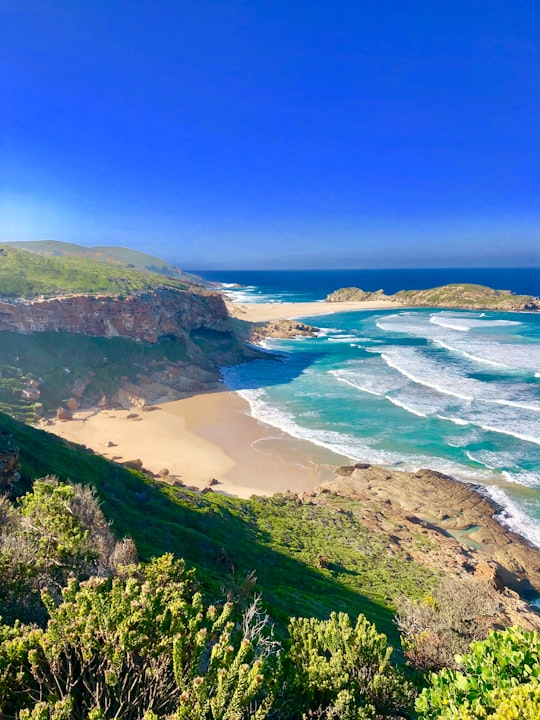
column 275, row 133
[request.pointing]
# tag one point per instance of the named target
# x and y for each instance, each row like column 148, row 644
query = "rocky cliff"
column 79, row 351
column 143, row 316
column 460, row 296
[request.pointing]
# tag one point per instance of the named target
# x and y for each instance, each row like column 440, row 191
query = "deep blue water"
column 308, row 285
column 457, row 391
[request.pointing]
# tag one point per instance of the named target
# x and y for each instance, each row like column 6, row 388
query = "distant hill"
column 104, row 254
column 458, row 295
column 26, row 273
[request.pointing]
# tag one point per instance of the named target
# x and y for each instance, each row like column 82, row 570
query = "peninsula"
column 455, row 296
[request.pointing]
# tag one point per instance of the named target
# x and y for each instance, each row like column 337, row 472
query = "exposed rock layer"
column 145, row 316
column 281, row 329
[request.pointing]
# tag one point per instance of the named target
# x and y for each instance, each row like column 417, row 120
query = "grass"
column 26, row 274
column 226, row 539
column 105, row 254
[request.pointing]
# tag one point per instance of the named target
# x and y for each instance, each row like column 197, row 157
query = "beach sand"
column 206, row 437
column 263, row 312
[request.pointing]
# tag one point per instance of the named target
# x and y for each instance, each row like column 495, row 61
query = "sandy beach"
column 263, row 312
column 204, row 438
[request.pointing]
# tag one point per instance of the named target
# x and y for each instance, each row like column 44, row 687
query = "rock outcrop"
column 9, row 463
column 281, row 329
column 457, row 516
column 459, row 296
column 143, row 316
column 354, row 294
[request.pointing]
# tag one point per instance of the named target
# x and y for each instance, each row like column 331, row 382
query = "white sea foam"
column 465, row 323
column 513, row 433
column 427, row 372
column 470, row 356
column 513, row 517
column 355, row 448
column 455, row 420
column 523, row 477
column 355, row 385
column 404, row 406
column 513, row 357
column 406, row 363
column 478, row 460
column 484, row 348
column 366, row 376
column 342, row 338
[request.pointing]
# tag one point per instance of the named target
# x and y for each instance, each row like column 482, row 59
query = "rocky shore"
column 444, row 524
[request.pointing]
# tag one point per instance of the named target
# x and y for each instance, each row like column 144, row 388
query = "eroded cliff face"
column 175, row 342
column 145, row 316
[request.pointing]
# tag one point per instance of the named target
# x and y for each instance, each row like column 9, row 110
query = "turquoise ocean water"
column 456, row 391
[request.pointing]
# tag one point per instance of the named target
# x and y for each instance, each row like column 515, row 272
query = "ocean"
column 453, row 390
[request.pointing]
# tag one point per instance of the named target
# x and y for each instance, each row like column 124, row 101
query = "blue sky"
column 275, row 133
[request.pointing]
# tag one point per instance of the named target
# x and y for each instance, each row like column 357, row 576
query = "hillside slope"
column 25, row 274
column 105, row 254
column 308, row 555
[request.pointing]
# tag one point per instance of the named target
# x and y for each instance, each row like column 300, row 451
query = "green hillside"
column 26, row 274
column 106, row 254
column 226, row 539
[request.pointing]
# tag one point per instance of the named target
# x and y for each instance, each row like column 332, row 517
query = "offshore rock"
column 460, row 296
column 281, row 329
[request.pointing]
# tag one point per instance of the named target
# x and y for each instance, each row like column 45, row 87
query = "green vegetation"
column 61, row 361
column 139, row 642
column 105, row 254
column 228, row 539
column 155, row 641
column 25, row 274
column 499, row 678
column 457, row 295
column 345, row 669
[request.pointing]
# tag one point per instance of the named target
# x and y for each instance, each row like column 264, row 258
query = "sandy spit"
column 263, row 312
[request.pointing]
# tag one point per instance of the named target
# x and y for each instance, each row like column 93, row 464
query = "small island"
column 463, row 296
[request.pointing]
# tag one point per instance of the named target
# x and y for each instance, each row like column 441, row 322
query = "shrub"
column 487, row 686
column 135, row 644
column 443, row 624
column 57, row 532
column 343, row 671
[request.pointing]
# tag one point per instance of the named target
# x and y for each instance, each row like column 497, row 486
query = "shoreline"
column 210, row 441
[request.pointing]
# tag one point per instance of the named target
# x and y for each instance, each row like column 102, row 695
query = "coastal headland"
column 210, row 442
column 129, row 362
